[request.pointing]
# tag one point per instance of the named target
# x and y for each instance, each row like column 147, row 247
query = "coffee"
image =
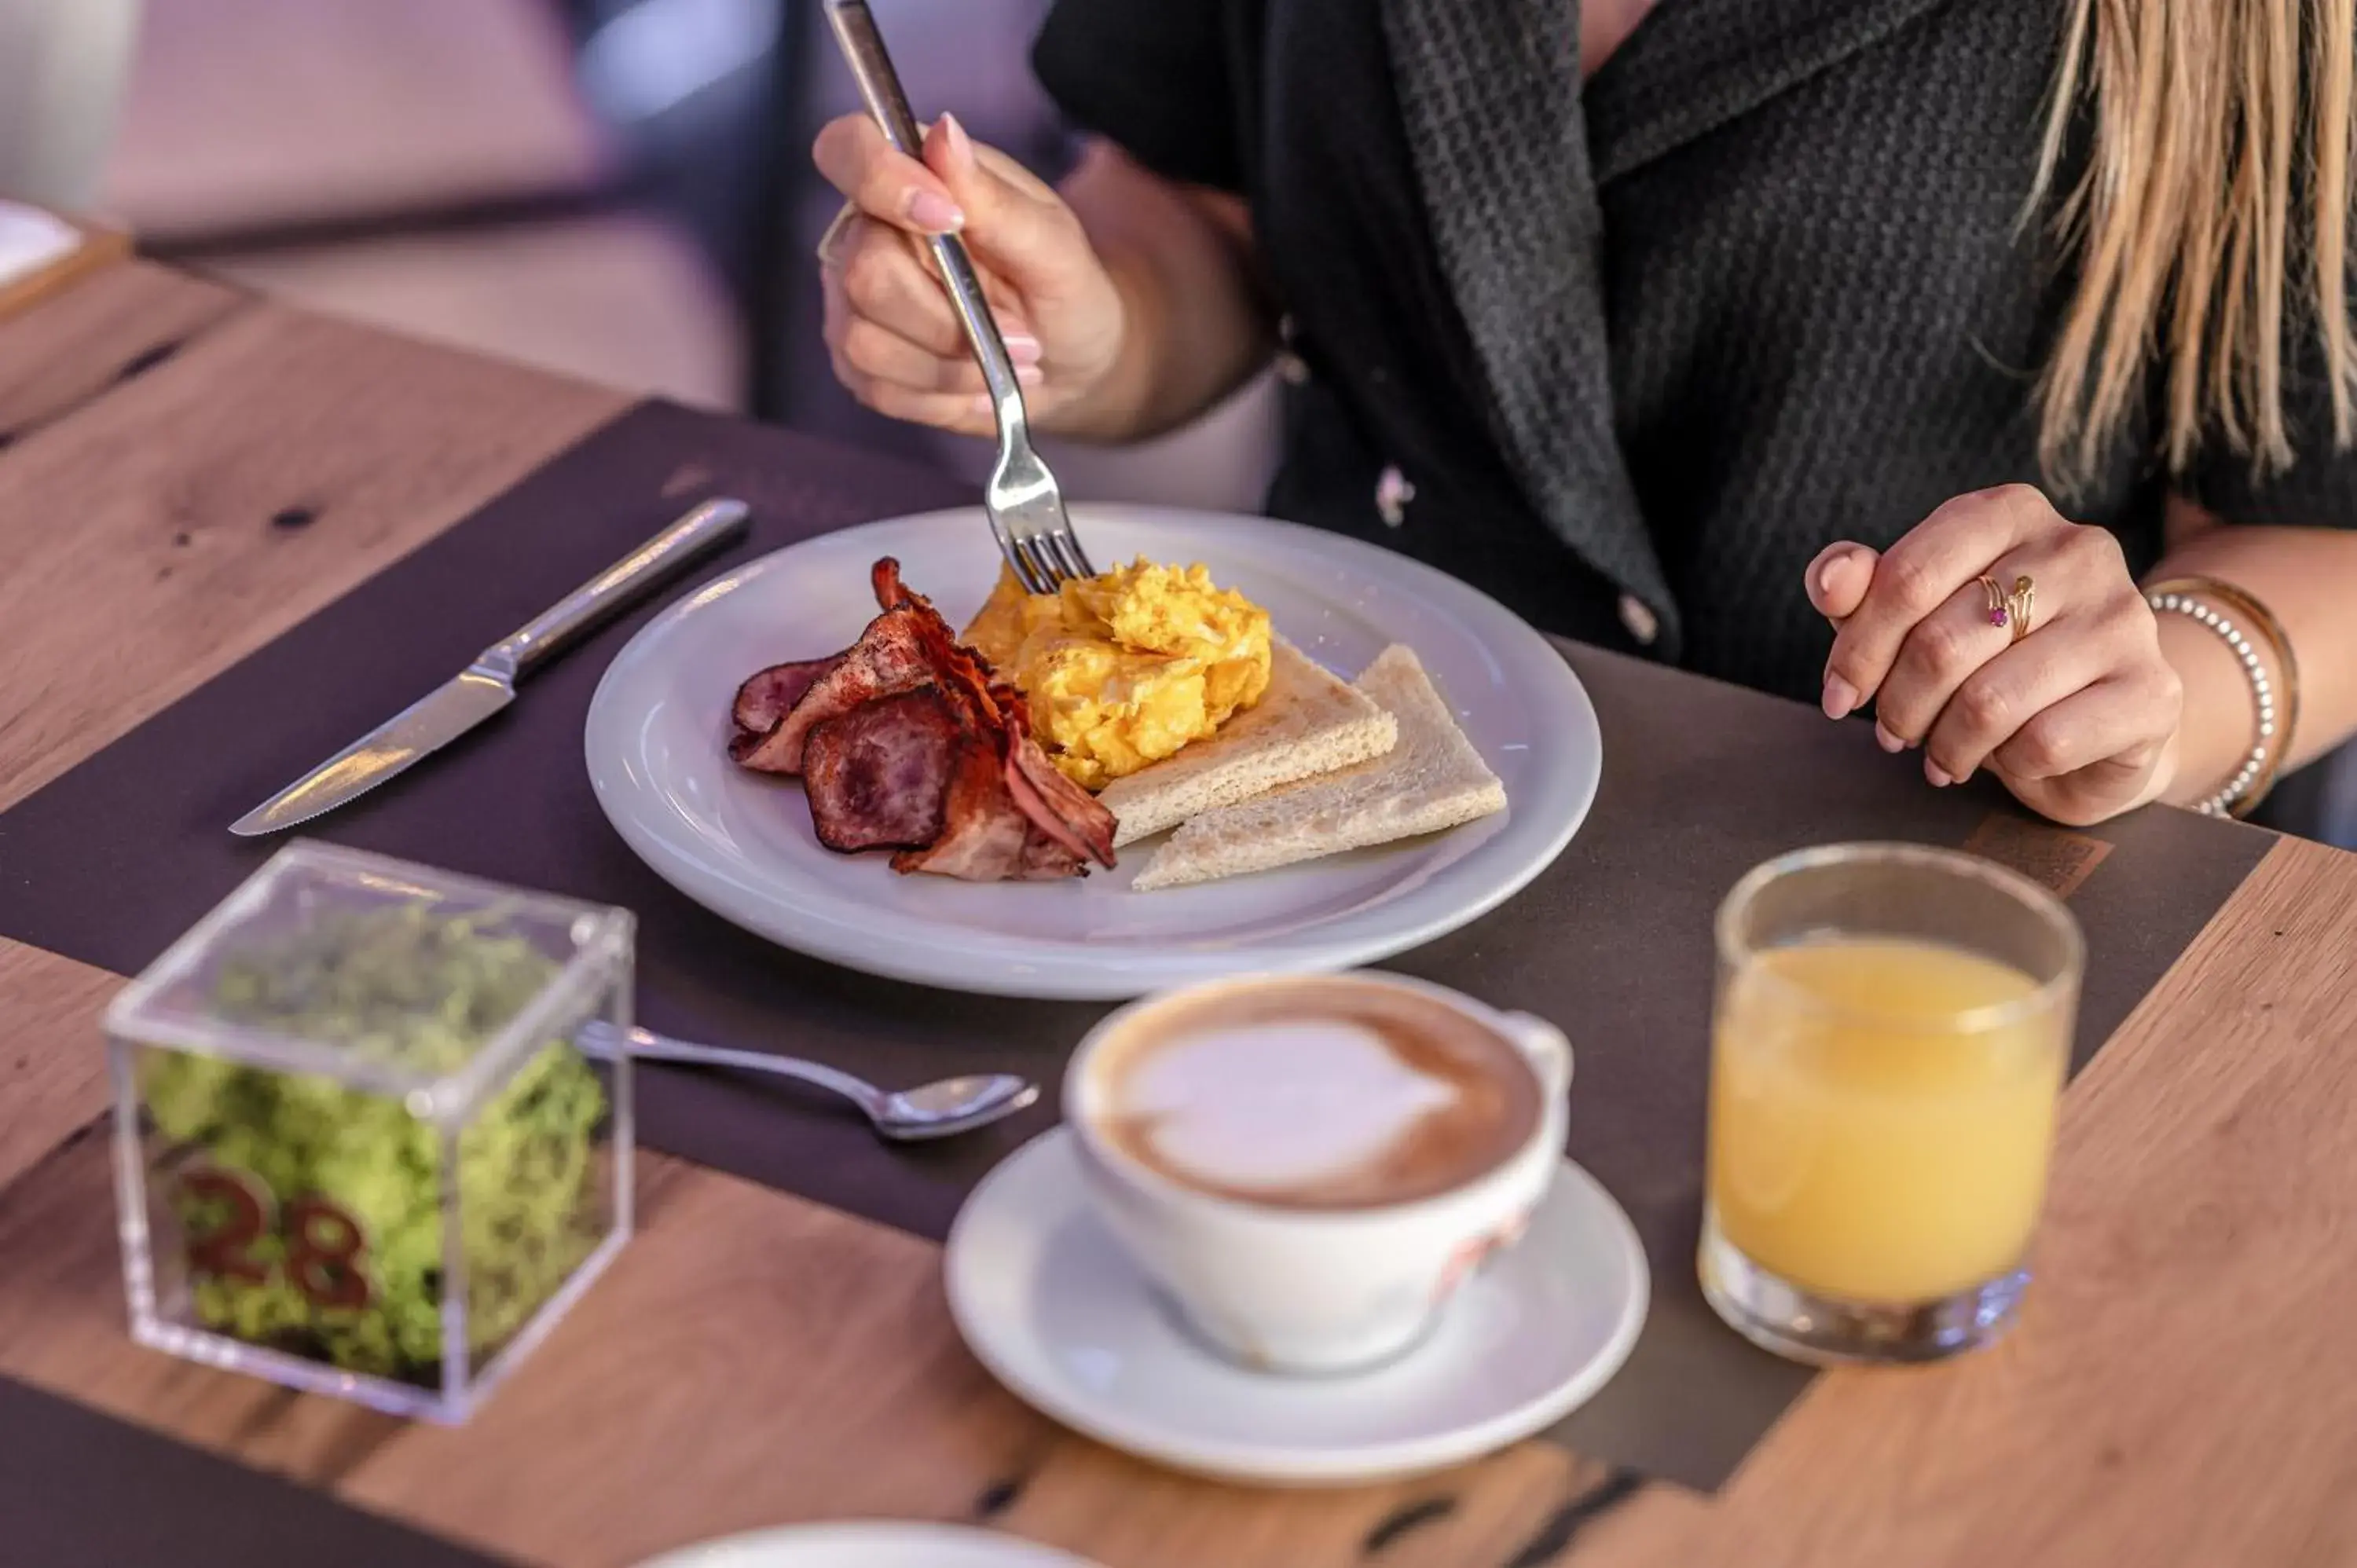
column 1328, row 1095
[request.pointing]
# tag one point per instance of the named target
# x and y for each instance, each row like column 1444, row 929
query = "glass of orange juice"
column 1893, row 1023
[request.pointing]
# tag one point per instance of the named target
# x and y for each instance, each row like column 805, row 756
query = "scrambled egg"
column 1125, row 667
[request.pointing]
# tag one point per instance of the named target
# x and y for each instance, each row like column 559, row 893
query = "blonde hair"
column 2209, row 225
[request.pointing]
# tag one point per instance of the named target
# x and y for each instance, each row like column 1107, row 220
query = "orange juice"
column 1869, row 1139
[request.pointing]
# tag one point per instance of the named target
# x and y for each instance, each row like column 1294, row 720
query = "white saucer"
column 875, row 1543
column 1047, row 1301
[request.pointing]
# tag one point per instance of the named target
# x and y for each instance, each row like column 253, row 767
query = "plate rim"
column 1273, row 1467
column 717, row 1551
column 1060, row 973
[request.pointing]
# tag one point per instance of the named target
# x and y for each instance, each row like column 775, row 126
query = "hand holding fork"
column 1025, row 506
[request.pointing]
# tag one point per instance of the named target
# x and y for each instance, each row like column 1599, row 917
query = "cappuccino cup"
column 1306, row 1168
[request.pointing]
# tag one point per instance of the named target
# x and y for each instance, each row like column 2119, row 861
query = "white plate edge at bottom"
column 819, row 1534
column 1292, row 1469
column 1053, row 982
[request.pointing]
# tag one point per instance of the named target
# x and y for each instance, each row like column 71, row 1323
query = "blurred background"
column 616, row 189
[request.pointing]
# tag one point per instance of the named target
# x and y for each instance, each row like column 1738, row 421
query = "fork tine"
column 1014, row 559
column 1025, row 573
column 1039, row 571
column 1042, row 546
column 1069, row 555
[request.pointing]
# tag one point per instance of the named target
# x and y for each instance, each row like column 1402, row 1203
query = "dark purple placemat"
column 78, row 1490
column 1701, row 782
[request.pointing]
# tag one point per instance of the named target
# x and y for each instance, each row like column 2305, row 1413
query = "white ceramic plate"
column 741, row 844
column 1045, row 1298
column 868, row 1544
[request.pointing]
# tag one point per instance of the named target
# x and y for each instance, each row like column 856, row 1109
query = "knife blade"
column 489, row 684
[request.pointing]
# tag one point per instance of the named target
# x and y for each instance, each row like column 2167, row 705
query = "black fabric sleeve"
column 1154, row 76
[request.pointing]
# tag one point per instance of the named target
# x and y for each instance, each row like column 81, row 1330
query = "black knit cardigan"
column 1628, row 353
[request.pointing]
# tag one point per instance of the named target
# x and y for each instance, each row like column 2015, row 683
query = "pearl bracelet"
column 2257, row 769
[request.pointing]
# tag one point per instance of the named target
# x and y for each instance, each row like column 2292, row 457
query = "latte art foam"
column 1326, row 1098
column 1322, row 1093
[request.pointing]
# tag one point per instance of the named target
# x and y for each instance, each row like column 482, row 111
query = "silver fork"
column 1027, row 509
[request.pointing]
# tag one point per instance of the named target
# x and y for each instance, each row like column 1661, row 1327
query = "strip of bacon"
column 884, row 579
column 1061, row 809
column 890, row 656
column 1045, row 860
column 984, row 835
column 768, row 696
column 878, row 777
column 906, row 741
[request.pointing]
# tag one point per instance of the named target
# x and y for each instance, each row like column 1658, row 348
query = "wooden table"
column 2181, row 1390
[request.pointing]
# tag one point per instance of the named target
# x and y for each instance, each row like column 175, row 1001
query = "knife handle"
column 621, row 585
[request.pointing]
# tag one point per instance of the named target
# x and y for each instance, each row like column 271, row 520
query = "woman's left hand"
column 2078, row 718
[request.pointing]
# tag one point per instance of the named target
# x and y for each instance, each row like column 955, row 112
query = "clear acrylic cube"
column 359, row 1149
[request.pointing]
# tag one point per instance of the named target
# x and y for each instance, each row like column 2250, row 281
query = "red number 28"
column 327, row 1251
column 225, row 1248
column 326, row 1254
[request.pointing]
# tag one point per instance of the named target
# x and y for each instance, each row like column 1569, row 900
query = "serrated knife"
column 489, row 684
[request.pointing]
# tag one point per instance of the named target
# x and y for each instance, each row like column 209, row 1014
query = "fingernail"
column 1887, row 741
column 1030, row 375
column 1024, row 350
column 1936, row 774
column 1841, row 697
column 961, row 145
column 1825, row 574
column 984, row 403
column 934, row 214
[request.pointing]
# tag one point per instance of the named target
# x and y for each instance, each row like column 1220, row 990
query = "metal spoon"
column 939, row 1110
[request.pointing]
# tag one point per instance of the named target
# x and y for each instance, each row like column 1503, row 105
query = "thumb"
column 1015, row 225
column 1838, row 579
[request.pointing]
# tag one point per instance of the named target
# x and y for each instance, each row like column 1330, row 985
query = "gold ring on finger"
column 1996, row 604
column 2020, row 606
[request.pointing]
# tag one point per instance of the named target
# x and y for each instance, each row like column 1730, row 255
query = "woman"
column 1695, row 326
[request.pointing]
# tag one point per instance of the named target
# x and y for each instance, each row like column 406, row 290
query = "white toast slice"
column 1432, row 778
column 1307, row 722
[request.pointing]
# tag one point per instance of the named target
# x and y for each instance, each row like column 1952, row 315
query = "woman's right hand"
column 895, row 338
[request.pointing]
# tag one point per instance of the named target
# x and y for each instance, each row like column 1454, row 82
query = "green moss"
column 403, row 986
